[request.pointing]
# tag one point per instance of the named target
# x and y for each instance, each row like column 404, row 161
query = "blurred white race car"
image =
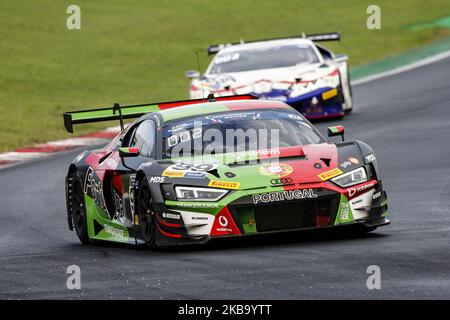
column 295, row 70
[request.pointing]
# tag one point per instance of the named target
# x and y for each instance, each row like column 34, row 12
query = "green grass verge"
column 138, row 51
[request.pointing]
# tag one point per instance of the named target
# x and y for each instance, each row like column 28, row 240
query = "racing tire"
column 146, row 215
column 79, row 216
column 348, row 111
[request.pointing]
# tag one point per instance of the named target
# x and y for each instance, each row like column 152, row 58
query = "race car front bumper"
column 333, row 207
column 325, row 102
column 320, row 103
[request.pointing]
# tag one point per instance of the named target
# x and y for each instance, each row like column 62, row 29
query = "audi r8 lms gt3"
column 187, row 172
column 294, row 70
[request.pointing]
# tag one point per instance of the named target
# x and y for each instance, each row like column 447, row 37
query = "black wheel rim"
column 78, row 209
column 145, row 216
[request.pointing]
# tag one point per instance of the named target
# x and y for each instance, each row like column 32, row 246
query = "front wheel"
column 146, row 215
column 347, row 101
column 350, row 94
column 79, row 211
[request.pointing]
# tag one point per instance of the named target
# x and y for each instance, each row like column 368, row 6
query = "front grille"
column 285, row 216
column 299, row 214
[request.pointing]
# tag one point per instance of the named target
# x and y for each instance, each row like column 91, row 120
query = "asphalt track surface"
column 405, row 118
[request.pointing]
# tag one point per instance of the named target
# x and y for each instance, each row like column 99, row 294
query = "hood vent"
column 326, row 161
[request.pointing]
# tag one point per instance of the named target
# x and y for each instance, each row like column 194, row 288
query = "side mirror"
column 129, row 152
column 340, row 58
column 336, row 131
column 192, row 74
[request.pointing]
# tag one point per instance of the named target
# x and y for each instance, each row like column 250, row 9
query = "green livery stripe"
column 212, row 208
column 94, row 211
column 111, row 230
column 384, row 206
column 191, row 110
column 344, row 214
column 385, row 214
column 225, row 158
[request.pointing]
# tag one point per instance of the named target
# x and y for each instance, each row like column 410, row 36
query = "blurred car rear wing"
column 118, row 112
column 331, row 36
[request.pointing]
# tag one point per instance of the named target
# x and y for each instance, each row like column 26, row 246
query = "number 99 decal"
column 202, row 167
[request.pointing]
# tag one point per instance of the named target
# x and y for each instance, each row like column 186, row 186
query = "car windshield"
column 237, row 131
column 263, row 58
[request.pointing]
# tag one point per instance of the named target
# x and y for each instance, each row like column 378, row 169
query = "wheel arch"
column 366, row 150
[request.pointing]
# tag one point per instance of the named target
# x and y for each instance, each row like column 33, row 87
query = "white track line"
column 411, row 66
column 21, row 156
column 77, row 142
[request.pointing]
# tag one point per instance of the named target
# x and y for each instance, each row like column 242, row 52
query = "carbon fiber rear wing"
column 331, row 36
column 120, row 113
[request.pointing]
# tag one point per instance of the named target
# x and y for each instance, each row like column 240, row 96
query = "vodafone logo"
column 224, row 224
column 353, row 191
column 223, row 221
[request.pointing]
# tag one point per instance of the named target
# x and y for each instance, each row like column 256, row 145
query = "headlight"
column 330, row 81
column 351, row 178
column 199, row 194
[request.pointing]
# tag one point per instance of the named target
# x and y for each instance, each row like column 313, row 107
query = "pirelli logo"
column 224, row 184
column 173, row 174
column 330, row 174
